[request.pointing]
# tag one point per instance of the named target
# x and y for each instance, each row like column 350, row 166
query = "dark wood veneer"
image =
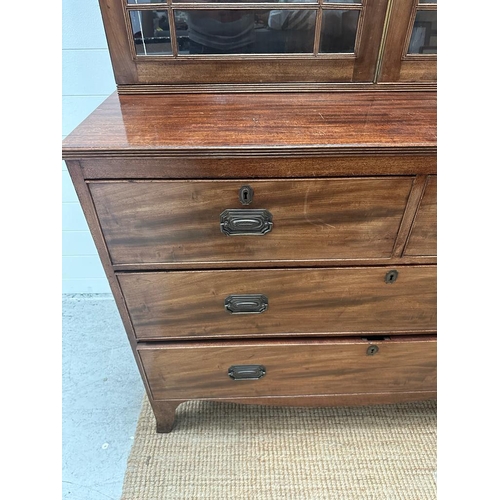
column 263, row 167
column 275, row 124
column 334, row 301
column 293, row 368
column 350, row 180
column 179, row 221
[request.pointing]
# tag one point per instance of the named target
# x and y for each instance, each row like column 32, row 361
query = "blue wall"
column 87, row 81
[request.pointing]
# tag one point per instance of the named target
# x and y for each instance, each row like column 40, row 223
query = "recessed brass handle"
column 246, row 304
column 250, row 222
column 246, row 372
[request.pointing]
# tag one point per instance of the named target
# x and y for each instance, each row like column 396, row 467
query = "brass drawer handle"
column 251, row 222
column 246, row 304
column 246, row 372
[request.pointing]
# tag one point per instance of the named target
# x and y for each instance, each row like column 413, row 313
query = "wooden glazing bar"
column 317, row 30
column 173, row 34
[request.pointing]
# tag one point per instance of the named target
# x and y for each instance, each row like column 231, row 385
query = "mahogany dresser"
column 268, row 223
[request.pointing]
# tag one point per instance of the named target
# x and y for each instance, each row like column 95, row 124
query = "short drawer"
column 261, row 302
column 291, row 368
column 423, row 236
column 147, row 222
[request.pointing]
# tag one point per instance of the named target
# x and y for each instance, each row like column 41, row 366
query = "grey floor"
column 102, row 395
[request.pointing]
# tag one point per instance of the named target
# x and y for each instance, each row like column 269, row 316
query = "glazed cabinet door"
column 157, row 42
column 410, row 47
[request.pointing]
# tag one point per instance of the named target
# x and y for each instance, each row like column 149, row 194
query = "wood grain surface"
column 260, row 167
column 301, row 301
column 174, row 221
column 288, row 124
column 293, row 368
column 342, row 174
column 423, row 236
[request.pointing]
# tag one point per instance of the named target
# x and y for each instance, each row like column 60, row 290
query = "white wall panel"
column 73, row 218
column 82, row 25
column 87, row 79
column 68, row 191
column 76, row 243
column 81, row 266
column 87, row 72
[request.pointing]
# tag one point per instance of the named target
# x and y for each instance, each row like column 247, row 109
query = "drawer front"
column 262, row 302
column 292, row 368
column 205, row 221
column 423, row 236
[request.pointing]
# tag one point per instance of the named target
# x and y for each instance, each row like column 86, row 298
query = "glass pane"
column 344, row 1
column 338, row 31
column 151, row 32
column 245, row 31
column 145, row 1
column 424, row 35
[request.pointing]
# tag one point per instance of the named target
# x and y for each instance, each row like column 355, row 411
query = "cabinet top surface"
column 272, row 123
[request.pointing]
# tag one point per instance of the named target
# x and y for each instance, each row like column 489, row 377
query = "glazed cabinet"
column 159, row 46
column 262, row 192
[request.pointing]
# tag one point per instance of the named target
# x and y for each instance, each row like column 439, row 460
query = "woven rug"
column 231, row 451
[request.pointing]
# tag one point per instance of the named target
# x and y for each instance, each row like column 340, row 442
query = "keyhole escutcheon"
column 391, row 277
column 246, row 195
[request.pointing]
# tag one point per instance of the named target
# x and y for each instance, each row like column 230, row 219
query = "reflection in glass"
column 338, row 31
column 424, row 34
column 344, row 1
column 245, row 31
column 151, row 32
column 145, row 1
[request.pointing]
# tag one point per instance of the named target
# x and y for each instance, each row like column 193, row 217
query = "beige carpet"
column 227, row 451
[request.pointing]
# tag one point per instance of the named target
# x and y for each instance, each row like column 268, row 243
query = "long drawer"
column 145, row 222
column 248, row 369
column 238, row 303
